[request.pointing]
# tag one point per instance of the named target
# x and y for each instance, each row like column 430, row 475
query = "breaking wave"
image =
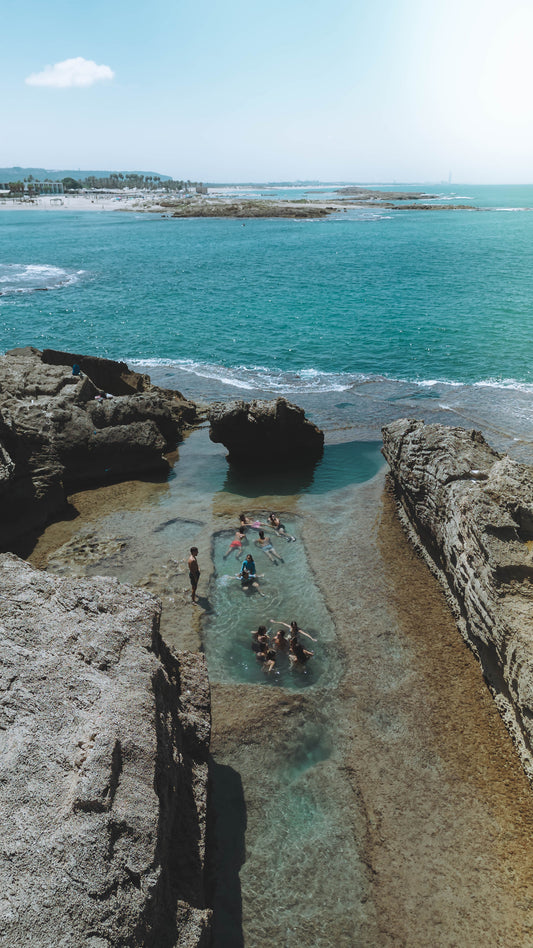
column 34, row 277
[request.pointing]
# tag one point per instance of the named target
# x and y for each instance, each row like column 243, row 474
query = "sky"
column 234, row 91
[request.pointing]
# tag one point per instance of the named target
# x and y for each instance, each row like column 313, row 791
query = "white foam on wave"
column 34, row 277
column 250, row 378
column 507, row 384
column 310, row 381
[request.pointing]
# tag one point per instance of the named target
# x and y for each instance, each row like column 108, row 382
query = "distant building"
column 43, row 187
column 201, row 189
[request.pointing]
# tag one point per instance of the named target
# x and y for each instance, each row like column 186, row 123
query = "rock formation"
column 105, row 737
column 265, row 432
column 60, row 431
column 470, row 512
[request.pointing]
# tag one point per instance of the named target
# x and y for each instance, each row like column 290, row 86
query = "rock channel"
column 469, row 511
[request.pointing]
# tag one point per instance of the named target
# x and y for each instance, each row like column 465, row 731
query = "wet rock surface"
column 469, row 511
column 59, row 430
column 105, row 737
column 265, row 432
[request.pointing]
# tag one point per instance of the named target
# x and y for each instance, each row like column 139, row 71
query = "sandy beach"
column 68, row 202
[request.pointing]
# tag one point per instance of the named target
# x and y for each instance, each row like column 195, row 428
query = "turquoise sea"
column 360, row 317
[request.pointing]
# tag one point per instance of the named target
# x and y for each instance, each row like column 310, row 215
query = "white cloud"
column 71, row 72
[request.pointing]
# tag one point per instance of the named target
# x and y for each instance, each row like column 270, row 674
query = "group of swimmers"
column 268, row 650
column 263, row 542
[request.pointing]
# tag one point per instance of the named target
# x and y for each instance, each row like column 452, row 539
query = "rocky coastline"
column 61, row 431
column 106, row 723
column 469, row 512
column 106, row 727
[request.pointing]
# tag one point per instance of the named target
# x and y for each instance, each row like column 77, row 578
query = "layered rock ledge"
column 265, row 432
column 469, row 511
column 61, row 431
column 105, row 737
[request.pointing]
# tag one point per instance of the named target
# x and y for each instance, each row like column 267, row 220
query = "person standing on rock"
column 194, row 572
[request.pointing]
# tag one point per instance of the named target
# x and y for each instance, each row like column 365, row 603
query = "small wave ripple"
column 34, row 277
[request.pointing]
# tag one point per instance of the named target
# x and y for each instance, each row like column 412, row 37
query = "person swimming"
column 266, row 546
column 269, row 663
column 293, row 628
column 246, row 522
column 259, row 638
column 279, row 527
column 298, row 654
column 248, row 575
column 236, row 543
column 280, row 641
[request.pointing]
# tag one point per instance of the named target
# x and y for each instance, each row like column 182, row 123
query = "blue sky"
column 389, row 90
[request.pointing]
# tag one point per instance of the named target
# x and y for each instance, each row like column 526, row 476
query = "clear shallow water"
column 287, row 591
column 280, row 796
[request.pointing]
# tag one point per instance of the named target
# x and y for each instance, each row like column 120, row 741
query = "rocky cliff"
column 60, row 431
column 105, row 737
column 470, row 512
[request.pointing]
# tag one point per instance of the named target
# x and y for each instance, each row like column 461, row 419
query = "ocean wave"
column 310, row 380
column 34, row 277
column 250, row 378
column 508, row 384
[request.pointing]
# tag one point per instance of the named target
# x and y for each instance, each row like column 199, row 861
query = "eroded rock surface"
column 470, row 511
column 59, row 431
column 105, row 736
column 265, row 431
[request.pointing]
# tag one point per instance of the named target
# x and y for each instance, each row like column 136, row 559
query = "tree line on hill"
column 114, row 181
column 119, row 181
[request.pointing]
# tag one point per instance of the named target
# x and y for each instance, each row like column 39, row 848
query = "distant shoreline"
column 218, row 206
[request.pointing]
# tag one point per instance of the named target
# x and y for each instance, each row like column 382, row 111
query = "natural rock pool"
column 374, row 800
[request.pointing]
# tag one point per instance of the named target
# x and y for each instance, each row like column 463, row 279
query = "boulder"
column 60, row 432
column 469, row 511
column 105, row 741
column 265, row 432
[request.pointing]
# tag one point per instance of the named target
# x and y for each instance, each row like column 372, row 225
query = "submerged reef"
column 469, row 511
column 105, row 733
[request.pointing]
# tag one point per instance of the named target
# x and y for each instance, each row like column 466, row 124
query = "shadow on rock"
column 226, row 855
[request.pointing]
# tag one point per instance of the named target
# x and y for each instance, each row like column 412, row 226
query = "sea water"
column 361, row 317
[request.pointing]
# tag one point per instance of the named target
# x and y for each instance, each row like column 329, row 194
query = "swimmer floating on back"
column 266, row 546
column 279, row 527
column 246, row 522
